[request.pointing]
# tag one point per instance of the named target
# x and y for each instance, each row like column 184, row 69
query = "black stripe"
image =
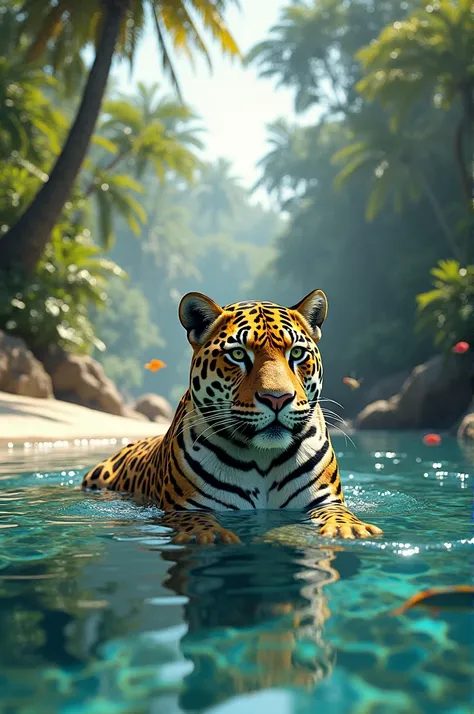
column 95, row 473
column 335, row 474
column 303, row 469
column 293, row 449
column 118, row 463
column 209, row 478
column 305, row 487
column 246, row 466
column 167, row 498
column 194, row 503
column 175, row 484
column 302, row 488
column 316, row 502
column 245, row 414
column 224, row 457
column 199, row 490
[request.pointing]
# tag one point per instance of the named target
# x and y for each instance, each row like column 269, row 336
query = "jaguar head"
column 256, row 372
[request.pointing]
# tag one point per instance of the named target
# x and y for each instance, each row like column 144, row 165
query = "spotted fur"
column 249, row 433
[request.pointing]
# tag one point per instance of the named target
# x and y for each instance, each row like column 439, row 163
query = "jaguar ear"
column 314, row 309
column 197, row 313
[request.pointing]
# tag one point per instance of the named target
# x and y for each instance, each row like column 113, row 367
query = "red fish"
column 460, row 347
column 154, row 365
column 432, row 439
column 352, row 382
column 451, row 596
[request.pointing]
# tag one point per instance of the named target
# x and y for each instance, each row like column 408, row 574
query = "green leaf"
column 427, row 298
column 378, row 196
column 105, row 220
column 104, row 143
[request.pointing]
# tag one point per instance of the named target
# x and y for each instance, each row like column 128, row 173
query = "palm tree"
column 397, row 160
column 297, row 54
column 117, row 24
column 311, row 50
column 29, row 126
column 218, row 191
column 429, row 52
column 281, row 166
column 170, row 245
column 140, row 133
column 147, row 130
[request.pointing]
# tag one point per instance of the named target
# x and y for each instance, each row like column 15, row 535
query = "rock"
column 434, row 396
column 82, row 380
column 387, row 387
column 20, row 372
column 437, row 392
column 466, row 427
column 465, row 435
column 154, row 407
column 382, row 414
column 132, row 414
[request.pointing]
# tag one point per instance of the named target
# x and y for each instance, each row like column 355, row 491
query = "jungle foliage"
column 379, row 188
column 371, row 187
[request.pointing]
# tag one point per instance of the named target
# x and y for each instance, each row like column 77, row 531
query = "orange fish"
column 351, row 382
column 154, row 365
column 460, row 347
column 451, row 596
column 432, row 439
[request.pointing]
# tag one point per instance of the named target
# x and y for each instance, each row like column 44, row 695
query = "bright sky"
column 233, row 102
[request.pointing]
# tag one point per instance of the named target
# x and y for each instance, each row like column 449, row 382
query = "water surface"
column 101, row 614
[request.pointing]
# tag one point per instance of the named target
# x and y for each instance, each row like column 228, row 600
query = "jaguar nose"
column 276, row 402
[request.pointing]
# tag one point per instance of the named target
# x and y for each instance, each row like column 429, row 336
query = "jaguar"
column 249, row 433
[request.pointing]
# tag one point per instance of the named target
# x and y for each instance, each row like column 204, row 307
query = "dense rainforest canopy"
column 370, row 191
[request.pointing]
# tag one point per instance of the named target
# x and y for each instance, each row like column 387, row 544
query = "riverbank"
column 33, row 420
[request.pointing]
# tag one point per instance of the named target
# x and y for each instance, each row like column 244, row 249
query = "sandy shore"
column 27, row 419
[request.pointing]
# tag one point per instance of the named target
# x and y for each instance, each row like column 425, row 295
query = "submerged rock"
column 20, row 372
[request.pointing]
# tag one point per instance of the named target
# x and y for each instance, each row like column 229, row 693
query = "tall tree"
column 400, row 163
column 151, row 130
column 141, row 133
column 311, row 49
column 281, row 166
column 431, row 53
column 372, row 270
column 218, row 191
column 117, row 25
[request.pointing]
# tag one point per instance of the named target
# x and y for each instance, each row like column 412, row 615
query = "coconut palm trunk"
column 23, row 245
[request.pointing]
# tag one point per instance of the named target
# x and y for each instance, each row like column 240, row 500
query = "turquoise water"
column 100, row 614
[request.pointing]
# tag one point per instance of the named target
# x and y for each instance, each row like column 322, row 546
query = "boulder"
column 82, row 380
column 154, row 407
column 20, row 371
column 382, row 414
column 132, row 414
column 434, row 396
column 387, row 386
column 466, row 427
column 437, row 392
column 465, row 435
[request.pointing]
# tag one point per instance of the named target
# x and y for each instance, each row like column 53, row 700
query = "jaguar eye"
column 297, row 353
column 237, row 354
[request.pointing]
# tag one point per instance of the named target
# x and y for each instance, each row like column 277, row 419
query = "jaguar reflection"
column 255, row 617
